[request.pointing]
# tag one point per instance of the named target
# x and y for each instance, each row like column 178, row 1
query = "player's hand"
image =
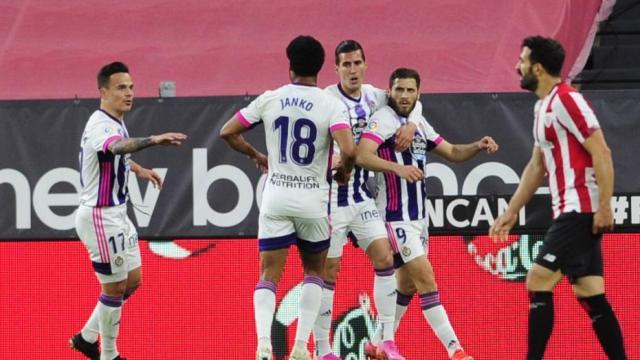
column 150, row 175
column 404, row 136
column 170, row 138
column 341, row 176
column 488, row 144
column 499, row 231
column 603, row 220
column 262, row 162
column 410, row 173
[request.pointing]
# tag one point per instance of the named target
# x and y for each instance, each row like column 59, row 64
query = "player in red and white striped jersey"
column 570, row 148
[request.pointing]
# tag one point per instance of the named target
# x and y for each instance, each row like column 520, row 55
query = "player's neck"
column 305, row 80
column 351, row 92
column 545, row 85
column 114, row 113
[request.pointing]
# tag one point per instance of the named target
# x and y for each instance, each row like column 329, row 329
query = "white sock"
column 322, row 326
column 91, row 329
column 385, row 296
column 110, row 310
column 402, row 303
column 264, row 307
column 310, row 299
column 439, row 321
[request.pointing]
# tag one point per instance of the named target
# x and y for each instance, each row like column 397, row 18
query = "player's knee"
column 382, row 261
column 115, row 288
column 596, row 306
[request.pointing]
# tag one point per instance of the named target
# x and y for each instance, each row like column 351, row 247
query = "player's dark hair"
column 305, row 55
column 106, row 71
column 346, row 46
column 404, row 73
column 546, row 52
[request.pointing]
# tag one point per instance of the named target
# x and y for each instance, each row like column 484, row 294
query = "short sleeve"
column 102, row 134
column 252, row 114
column 576, row 115
column 433, row 138
column 381, row 126
column 339, row 115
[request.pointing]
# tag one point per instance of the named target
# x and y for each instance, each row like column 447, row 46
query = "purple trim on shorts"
column 403, row 299
column 329, row 285
column 312, row 279
column 102, row 268
column 429, row 300
column 111, row 301
column 313, row 247
column 277, row 243
column 266, row 284
column 385, row 272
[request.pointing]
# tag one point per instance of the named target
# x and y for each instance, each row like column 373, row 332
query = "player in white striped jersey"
column 101, row 220
column 571, row 149
column 402, row 197
column 354, row 212
column 301, row 122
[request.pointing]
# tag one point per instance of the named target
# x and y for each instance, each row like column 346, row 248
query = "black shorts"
column 571, row 247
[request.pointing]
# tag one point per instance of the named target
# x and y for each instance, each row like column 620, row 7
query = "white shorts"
column 408, row 239
column 281, row 231
column 362, row 220
column 111, row 240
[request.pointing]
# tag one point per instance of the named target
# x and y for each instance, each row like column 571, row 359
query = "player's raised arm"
column 463, row 152
column 131, row 145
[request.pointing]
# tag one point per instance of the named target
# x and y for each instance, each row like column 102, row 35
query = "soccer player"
column 301, row 121
column 354, row 209
column 101, row 220
column 402, row 198
column 570, row 147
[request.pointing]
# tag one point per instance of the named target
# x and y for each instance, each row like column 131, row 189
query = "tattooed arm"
column 131, row 145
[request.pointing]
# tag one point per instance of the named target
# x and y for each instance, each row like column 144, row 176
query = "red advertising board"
column 196, row 301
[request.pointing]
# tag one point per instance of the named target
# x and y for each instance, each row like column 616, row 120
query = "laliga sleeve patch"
column 373, row 125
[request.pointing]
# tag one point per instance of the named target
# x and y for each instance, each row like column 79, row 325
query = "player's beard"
column 529, row 82
column 396, row 108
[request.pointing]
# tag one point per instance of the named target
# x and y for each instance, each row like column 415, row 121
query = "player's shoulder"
column 385, row 112
column 565, row 93
column 370, row 89
column 332, row 89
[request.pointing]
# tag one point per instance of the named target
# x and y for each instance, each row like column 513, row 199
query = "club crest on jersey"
column 119, row 261
column 406, row 251
column 419, row 148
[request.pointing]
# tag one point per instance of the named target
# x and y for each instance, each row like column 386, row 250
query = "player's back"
column 297, row 121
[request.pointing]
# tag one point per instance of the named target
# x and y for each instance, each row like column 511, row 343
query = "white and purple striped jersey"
column 297, row 120
column 398, row 199
column 359, row 110
column 103, row 175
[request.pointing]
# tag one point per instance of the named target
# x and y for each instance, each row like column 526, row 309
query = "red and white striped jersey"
column 563, row 121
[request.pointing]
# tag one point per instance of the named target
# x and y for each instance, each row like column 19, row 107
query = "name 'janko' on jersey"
column 296, row 102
